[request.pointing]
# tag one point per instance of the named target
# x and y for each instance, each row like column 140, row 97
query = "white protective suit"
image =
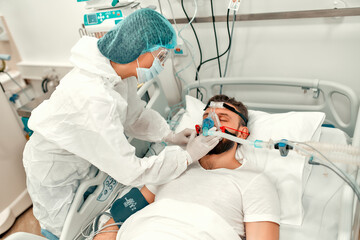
column 83, row 124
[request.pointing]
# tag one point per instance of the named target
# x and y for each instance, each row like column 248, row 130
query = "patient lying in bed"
column 219, row 197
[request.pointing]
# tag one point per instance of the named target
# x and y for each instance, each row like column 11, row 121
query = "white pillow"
column 287, row 173
column 193, row 114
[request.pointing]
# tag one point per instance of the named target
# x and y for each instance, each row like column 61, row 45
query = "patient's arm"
column 261, row 231
column 149, row 196
column 107, row 235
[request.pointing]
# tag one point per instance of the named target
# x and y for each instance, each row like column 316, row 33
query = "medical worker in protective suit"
column 88, row 117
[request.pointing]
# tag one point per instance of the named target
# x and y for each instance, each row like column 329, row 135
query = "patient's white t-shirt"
column 237, row 195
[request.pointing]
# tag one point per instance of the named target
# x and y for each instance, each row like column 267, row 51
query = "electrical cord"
column 216, row 40
column 199, row 46
column 231, row 36
column 228, row 30
column 160, row 7
column 194, row 31
column 343, row 178
column 44, row 84
column 340, row 172
column 2, row 87
column 230, row 44
column 190, row 48
column 228, row 48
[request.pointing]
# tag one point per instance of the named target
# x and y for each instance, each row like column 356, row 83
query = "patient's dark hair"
column 238, row 105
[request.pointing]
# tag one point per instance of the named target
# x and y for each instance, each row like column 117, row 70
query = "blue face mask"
column 146, row 74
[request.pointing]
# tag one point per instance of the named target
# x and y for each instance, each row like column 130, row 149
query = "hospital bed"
column 331, row 210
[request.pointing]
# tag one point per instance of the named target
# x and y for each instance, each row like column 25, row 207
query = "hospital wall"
column 320, row 48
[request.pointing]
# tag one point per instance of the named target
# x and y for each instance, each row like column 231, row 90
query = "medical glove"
column 181, row 138
column 126, row 206
column 199, row 146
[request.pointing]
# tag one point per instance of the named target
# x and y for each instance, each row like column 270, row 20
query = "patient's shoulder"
column 248, row 167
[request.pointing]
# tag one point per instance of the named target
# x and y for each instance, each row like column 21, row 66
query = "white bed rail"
column 349, row 227
column 81, row 213
column 319, row 88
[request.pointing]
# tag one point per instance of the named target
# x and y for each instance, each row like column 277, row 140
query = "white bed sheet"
column 321, row 198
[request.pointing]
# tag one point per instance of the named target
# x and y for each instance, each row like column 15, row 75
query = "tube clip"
column 283, row 147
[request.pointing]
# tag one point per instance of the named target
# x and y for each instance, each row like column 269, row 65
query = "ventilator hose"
column 229, row 137
column 335, row 153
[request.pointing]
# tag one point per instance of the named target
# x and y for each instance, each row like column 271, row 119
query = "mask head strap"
column 224, row 105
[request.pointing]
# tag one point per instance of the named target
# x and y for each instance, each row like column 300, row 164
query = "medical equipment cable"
column 201, row 62
column 96, row 220
column 231, row 36
column 228, row 30
column 228, row 55
column 304, row 152
column 44, row 84
column 296, row 146
column 160, row 7
column 338, row 174
column 194, row 31
column 350, row 158
column 199, row 46
column 325, row 204
column 92, row 235
column 177, row 77
column 186, row 42
column 22, row 89
column 348, row 180
column 216, row 40
column 92, row 223
column 2, row 87
column 175, row 109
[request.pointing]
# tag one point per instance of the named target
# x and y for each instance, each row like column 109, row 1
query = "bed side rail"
column 349, row 226
column 82, row 212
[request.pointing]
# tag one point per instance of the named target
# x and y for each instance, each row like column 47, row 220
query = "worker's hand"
column 181, row 138
column 199, row 146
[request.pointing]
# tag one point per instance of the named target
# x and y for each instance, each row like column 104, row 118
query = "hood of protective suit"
column 86, row 56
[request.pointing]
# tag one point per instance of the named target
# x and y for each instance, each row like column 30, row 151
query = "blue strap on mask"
column 130, row 203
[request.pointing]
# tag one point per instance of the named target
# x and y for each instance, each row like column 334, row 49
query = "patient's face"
column 227, row 118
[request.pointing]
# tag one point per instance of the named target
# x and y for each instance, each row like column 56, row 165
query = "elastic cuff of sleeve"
column 262, row 217
column 152, row 188
column 169, row 137
column 188, row 158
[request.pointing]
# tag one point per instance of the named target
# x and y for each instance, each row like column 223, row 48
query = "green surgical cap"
column 145, row 30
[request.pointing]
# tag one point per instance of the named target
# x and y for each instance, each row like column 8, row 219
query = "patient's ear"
column 244, row 132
